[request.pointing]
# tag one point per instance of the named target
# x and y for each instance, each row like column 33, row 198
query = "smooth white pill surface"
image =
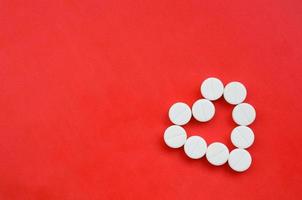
column 195, row 147
column 180, row 113
column 212, row 88
column 175, row 136
column 203, row 110
column 217, row 154
column 244, row 114
column 234, row 93
column 242, row 137
column 240, row 160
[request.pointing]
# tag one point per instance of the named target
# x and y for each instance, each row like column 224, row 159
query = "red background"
column 85, row 87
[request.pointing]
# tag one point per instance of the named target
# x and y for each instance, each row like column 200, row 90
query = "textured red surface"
column 85, row 87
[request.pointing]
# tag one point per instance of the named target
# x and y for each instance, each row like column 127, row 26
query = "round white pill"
column 175, row 136
column 195, row 147
column 203, row 110
column 212, row 88
column 217, row 154
column 242, row 137
column 244, row 114
column 234, row 93
column 240, row 160
column 180, row 113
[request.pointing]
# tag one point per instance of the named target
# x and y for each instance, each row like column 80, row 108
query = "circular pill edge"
column 182, row 132
column 229, row 97
column 238, row 108
column 208, row 83
column 203, row 146
column 243, row 153
column 238, row 131
column 173, row 110
column 224, row 149
column 208, row 104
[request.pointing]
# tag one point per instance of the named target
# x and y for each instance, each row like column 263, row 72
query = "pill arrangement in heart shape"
column 203, row 110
